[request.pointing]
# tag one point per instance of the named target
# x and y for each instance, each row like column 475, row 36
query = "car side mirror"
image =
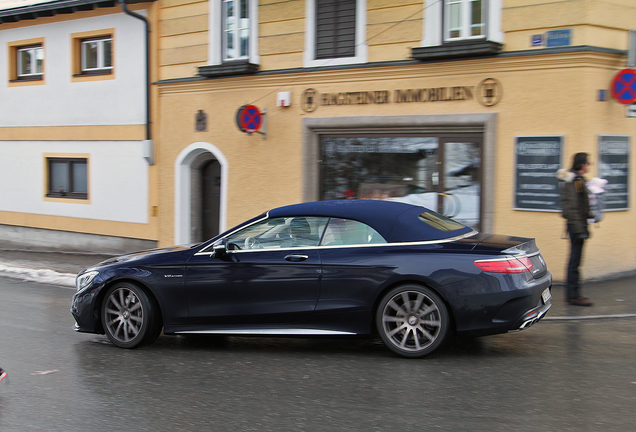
column 219, row 248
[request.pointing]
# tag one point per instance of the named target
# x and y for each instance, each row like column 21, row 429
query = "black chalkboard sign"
column 538, row 159
column 613, row 162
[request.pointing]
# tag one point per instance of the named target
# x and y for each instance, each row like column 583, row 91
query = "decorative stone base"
column 17, row 237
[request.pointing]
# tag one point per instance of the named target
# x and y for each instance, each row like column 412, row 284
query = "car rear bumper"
column 531, row 317
column 500, row 304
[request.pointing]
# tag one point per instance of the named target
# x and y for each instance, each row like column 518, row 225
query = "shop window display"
column 438, row 174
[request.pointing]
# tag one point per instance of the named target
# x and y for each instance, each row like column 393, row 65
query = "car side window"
column 276, row 233
column 344, row 232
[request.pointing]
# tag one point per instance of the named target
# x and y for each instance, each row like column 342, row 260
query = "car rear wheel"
column 412, row 321
column 130, row 318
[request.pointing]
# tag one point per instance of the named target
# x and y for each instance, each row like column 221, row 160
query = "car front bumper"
column 83, row 310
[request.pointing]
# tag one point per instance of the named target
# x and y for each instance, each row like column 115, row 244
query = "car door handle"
column 296, row 257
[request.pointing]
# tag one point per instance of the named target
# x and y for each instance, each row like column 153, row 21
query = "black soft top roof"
column 395, row 221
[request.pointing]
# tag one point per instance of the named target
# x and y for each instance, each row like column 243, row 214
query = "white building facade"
column 75, row 155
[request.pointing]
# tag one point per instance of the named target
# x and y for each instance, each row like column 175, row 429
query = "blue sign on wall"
column 537, row 40
column 556, row 38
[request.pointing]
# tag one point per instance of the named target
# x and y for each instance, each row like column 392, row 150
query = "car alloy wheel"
column 412, row 321
column 127, row 316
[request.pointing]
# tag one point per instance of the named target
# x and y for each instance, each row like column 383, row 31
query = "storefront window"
column 437, row 173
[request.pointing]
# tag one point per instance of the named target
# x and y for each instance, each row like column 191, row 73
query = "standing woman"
column 576, row 210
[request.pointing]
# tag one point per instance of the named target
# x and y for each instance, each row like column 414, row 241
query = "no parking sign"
column 249, row 118
column 623, row 87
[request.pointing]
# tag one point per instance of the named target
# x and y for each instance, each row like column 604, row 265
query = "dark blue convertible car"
column 351, row 267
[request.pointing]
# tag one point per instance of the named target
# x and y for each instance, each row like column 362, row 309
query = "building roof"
column 19, row 10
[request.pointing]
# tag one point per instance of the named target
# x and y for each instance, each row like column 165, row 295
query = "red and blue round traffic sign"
column 624, row 86
column 249, row 118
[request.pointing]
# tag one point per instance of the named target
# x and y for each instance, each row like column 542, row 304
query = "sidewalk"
column 613, row 298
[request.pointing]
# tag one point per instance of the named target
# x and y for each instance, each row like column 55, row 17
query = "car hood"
column 142, row 256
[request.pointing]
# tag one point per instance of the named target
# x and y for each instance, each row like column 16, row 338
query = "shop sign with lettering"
column 537, row 160
column 613, row 163
column 488, row 92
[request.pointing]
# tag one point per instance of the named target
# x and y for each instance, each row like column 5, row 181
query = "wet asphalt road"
column 571, row 375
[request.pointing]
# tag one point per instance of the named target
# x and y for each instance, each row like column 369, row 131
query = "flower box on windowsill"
column 239, row 67
column 467, row 48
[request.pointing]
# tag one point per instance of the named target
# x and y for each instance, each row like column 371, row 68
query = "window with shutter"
column 335, row 28
column 335, row 33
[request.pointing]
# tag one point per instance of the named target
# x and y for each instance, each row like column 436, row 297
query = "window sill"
column 468, row 48
column 93, row 73
column 68, row 196
column 239, row 67
column 30, row 78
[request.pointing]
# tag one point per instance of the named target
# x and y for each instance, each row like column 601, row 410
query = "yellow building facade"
column 540, row 73
column 466, row 106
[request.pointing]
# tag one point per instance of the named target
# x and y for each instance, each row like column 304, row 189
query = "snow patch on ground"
column 45, row 276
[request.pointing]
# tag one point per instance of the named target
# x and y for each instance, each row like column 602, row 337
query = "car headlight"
column 85, row 279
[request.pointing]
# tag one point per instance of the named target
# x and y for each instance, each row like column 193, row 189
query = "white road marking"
column 587, row 317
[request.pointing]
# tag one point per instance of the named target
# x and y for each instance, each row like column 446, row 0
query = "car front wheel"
column 412, row 321
column 130, row 318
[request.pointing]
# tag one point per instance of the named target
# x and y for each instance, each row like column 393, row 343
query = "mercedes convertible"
column 366, row 268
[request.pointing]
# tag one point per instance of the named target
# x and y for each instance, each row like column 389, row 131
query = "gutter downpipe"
column 149, row 152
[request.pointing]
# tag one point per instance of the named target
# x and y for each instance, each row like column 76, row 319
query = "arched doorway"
column 200, row 193
column 210, row 199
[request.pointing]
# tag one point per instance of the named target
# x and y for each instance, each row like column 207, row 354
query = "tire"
column 129, row 317
column 412, row 321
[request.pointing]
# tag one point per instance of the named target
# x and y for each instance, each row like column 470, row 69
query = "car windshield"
column 283, row 232
column 440, row 222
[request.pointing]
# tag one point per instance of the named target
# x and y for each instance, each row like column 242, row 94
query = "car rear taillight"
column 511, row 265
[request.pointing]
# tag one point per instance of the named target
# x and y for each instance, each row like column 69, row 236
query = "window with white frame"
column 235, row 34
column 96, row 55
column 448, row 21
column 335, row 32
column 464, row 19
column 30, row 62
column 236, row 29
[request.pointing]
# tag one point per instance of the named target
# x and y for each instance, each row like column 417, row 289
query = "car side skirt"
column 270, row 332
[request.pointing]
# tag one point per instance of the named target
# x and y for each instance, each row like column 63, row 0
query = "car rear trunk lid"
column 521, row 248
